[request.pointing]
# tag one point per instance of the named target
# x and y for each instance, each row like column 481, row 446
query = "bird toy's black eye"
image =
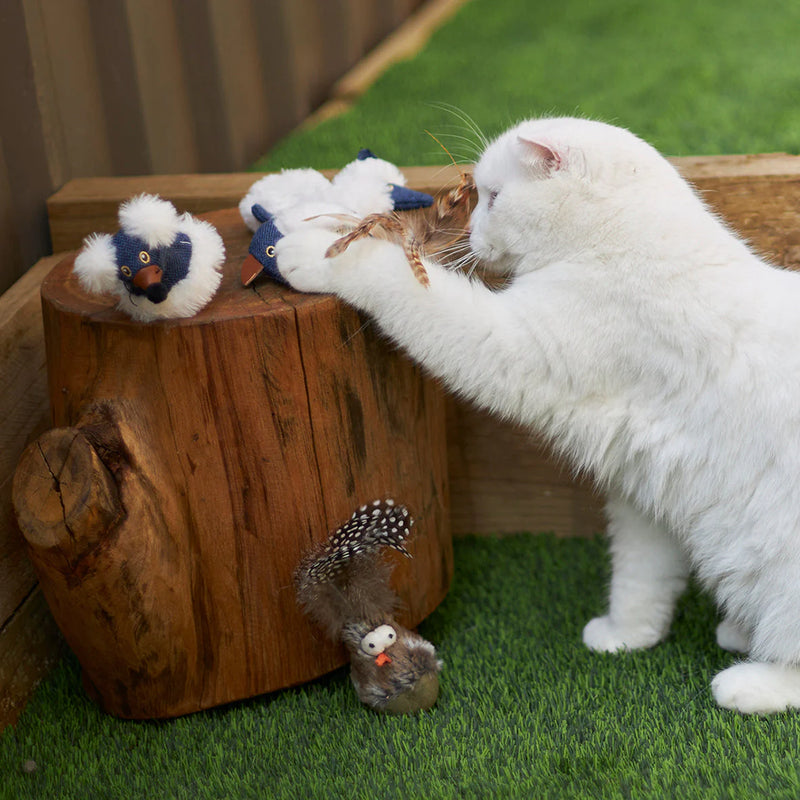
column 372, row 645
column 391, row 636
column 126, row 271
column 144, row 257
column 271, row 251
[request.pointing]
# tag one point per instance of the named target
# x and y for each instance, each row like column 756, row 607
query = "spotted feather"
column 381, row 523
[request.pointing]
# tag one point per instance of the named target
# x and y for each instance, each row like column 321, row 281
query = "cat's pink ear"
column 540, row 155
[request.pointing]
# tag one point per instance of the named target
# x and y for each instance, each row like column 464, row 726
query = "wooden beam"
column 24, row 413
column 754, row 192
column 30, row 646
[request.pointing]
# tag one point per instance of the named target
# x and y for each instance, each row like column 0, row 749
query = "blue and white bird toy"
column 159, row 264
column 278, row 204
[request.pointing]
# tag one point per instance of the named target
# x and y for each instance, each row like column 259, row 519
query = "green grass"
column 721, row 76
column 525, row 711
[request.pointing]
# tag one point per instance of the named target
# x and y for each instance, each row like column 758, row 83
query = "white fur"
column 651, row 347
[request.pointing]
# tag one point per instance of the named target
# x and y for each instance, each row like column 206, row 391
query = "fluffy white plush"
column 366, row 185
column 652, row 348
column 150, row 218
column 283, row 192
column 296, row 195
column 156, row 221
column 95, row 265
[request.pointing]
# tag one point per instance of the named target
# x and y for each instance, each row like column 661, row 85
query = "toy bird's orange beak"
column 383, row 659
column 147, row 276
column 251, row 269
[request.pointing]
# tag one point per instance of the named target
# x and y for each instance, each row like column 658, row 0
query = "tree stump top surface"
column 231, row 301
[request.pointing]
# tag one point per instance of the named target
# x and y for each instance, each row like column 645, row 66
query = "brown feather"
column 427, row 232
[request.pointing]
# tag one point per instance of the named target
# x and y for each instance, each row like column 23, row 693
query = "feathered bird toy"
column 159, row 264
column 344, row 588
column 278, row 204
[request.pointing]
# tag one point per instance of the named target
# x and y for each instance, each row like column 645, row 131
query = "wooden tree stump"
column 194, row 462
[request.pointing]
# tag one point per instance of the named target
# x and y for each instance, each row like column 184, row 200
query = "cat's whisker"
column 473, row 149
column 467, row 120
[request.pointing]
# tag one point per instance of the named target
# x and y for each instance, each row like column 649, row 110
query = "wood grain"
column 236, row 439
column 24, row 413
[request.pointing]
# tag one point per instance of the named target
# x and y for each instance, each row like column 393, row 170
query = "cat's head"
column 549, row 189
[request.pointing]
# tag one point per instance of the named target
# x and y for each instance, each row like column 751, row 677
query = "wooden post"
column 192, row 465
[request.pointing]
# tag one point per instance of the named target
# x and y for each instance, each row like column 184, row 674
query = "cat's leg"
column 649, row 573
column 758, row 687
column 732, row 636
column 770, row 681
column 480, row 342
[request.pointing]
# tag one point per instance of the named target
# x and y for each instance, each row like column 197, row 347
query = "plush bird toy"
column 278, row 204
column 344, row 587
column 159, row 264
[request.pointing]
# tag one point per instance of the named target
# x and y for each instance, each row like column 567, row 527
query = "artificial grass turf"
column 721, row 76
column 524, row 711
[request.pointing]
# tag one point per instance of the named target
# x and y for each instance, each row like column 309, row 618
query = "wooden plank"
column 204, row 87
column 70, row 100
column 10, row 255
column 503, row 481
column 119, row 86
column 162, row 86
column 282, row 71
column 26, row 168
column 756, row 192
column 246, row 106
column 24, row 413
column 30, row 646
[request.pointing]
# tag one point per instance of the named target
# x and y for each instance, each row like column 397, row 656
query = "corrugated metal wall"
column 132, row 87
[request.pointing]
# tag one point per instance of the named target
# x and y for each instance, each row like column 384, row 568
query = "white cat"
column 656, row 352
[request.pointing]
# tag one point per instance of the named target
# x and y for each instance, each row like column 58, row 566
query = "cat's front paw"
column 603, row 635
column 757, row 688
column 301, row 259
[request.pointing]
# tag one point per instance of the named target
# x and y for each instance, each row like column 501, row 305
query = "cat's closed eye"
column 492, row 197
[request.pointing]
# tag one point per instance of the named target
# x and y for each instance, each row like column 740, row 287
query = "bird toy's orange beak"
column 148, row 276
column 383, row 659
column 251, row 269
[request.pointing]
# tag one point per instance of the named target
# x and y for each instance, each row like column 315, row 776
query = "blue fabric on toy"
column 261, row 257
column 403, row 199
column 151, row 271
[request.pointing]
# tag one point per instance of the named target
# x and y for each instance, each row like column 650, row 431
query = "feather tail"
column 343, row 581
